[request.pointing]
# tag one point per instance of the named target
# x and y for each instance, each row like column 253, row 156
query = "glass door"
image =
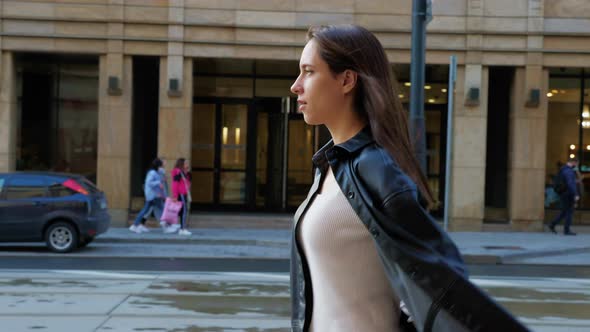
column 219, row 153
column 234, row 130
column 300, row 167
column 203, row 153
column 285, row 146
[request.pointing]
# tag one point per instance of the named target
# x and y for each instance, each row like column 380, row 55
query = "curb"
column 544, row 253
column 194, row 241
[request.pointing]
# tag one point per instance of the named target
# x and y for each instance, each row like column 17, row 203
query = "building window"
column 568, row 129
column 58, row 107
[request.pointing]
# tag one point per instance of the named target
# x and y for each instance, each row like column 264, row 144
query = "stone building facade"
column 100, row 87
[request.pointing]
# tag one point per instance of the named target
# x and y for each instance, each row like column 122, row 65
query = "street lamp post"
column 420, row 18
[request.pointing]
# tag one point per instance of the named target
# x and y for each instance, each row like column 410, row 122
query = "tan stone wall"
column 469, row 146
column 175, row 116
column 529, row 34
column 247, row 28
column 8, row 113
column 527, row 151
column 114, row 134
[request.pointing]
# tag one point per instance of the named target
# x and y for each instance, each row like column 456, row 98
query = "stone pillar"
column 8, row 113
column 470, row 130
column 176, row 95
column 528, row 145
column 469, row 149
column 175, row 116
column 528, row 132
column 114, row 133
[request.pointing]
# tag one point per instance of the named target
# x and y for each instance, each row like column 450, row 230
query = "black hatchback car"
column 65, row 210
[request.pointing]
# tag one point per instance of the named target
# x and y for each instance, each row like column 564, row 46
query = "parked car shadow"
column 37, row 248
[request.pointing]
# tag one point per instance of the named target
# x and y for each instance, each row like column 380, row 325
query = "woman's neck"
column 345, row 130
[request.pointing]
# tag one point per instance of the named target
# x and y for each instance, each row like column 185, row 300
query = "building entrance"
column 250, row 154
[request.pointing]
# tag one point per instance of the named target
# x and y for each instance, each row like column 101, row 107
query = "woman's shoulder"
column 380, row 171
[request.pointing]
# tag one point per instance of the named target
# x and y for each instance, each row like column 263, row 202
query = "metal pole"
column 417, row 126
column 448, row 169
column 286, row 111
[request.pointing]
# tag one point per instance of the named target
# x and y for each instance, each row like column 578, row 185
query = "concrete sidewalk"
column 476, row 247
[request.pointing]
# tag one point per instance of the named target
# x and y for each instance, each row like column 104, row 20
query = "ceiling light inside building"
column 587, row 147
column 408, row 84
column 554, row 91
column 549, row 94
column 431, row 101
column 572, row 156
column 444, row 90
column 427, row 87
column 572, row 147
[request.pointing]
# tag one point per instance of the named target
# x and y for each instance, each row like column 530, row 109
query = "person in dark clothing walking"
column 567, row 189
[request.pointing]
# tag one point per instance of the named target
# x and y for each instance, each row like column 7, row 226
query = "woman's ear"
column 348, row 78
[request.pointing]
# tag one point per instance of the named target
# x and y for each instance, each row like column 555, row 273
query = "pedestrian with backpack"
column 565, row 186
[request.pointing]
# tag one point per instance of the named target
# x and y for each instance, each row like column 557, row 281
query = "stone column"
column 176, row 94
column 528, row 145
column 469, row 150
column 8, row 113
column 175, row 116
column 528, row 132
column 470, row 131
column 114, row 133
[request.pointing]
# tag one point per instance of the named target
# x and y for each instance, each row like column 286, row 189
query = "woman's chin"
column 310, row 120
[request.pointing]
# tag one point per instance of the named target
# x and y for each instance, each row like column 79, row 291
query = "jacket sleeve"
column 570, row 180
column 412, row 223
column 152, row 179
column 175, row 174
column 432, row 261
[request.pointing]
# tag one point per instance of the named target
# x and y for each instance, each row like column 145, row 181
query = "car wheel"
column 61, row 237
column 85, row 242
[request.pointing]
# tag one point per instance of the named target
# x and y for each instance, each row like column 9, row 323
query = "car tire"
column 61, row 237
column 83, row 243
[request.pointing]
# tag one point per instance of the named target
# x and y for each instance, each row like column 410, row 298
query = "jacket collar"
column 351, row 146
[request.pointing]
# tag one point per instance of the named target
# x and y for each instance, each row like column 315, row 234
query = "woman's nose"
column 296, row 87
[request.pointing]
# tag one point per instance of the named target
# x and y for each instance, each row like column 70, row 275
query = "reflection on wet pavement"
column 234, row 302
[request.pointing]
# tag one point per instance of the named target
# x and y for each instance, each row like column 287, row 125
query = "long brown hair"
column 180, row 163
column 354, row 48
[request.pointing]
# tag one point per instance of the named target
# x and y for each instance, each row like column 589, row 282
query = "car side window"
column 23, row 187
column 58, row 190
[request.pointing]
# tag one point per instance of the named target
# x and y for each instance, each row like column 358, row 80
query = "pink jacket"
column 178, row 184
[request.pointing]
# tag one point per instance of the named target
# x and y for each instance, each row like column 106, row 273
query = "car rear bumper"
column 96, row 225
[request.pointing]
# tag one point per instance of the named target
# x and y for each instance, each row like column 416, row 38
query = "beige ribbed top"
column 350, row 289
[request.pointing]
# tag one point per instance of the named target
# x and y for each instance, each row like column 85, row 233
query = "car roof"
column 42, row 173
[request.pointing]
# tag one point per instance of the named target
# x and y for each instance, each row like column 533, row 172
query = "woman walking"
column 181, row 187
column 366, row 254
column 155, row 192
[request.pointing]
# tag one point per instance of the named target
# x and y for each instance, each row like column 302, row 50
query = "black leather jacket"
column 423, row 265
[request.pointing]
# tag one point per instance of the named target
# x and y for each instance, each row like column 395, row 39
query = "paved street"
column 55, row 300
column 236, row 280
